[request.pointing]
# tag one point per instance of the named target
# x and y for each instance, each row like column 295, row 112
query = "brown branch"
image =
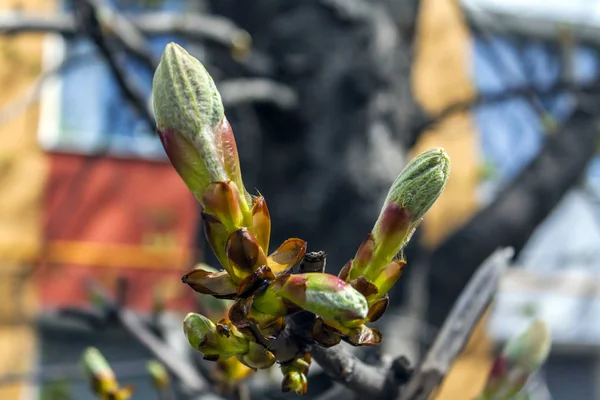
column 458, row 327
column 127, row 33
column 193, row 26
column 88, row 22
column 495, row 97
column 252, row 90
column 345, row 368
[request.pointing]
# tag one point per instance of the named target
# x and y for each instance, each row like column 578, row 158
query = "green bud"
column 159, row 374
column 530, row 349
column 97, row 370
column 216, row 344
column 411, row 195
column 421, row 182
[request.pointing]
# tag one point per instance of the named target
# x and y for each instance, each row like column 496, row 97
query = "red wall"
column 100, row 216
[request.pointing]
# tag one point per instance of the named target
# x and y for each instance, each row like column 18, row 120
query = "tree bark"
column 514, row 214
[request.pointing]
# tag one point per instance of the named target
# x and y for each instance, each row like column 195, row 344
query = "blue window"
column 84, row 111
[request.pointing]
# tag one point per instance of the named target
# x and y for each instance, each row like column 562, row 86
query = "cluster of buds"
column 200, row 144
column 101, row 377
column 521, row 357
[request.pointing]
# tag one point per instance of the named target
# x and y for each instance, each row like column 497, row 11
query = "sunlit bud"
column 411, row 195
column 215, row 342
column 324, row 295
column 257, row 356
column 222, row 199
column 159, row 374
column 522, row 356
column 244, row 254
column 261, row 222
column 101, row 377
column 218, row 284
column 294, row 374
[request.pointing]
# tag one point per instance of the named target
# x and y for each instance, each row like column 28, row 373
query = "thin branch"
column 256, row 90
column 345, row 368
column 127, row 33
column 514, row 214
column 337, row 362
column 458, row 327
column 495, row 97
column 193, row 26
column 87, row 14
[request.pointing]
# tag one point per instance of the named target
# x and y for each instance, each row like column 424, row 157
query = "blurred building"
column 488, row 46
column 87, row 196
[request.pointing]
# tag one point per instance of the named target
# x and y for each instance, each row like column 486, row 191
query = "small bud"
column 324, row 295
column 218, row 284
column 261, row 222
column 244, row 254
column 203, row 335
column 217, row 236
column 159, row 374
column 294, row 374
column 257, row 356
column 222, row 199
column 101, row 377
column 522, row 356
column 387, row 276
column 530, row 349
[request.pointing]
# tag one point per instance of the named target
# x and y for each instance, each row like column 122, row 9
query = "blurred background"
column 328, row 100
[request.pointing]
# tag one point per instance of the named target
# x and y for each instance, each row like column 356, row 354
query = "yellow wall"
column 441, row 78
column 22, row 176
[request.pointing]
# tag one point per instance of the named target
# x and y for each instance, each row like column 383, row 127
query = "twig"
column 338, row 363
column 495, row 97
column 127, row 33
column 337, row 392
column 89, row 23
column 193, row 26
column 246, row 90
column 345, row 368
column 458, row 327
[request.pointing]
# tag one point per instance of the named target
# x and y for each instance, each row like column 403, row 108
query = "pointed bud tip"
column 420, row 183
column 196, row 327
column 186, row 100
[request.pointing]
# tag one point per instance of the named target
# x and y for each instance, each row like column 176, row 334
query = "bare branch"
column 194, row 26
column 458, row 327
column 495, row 97
column 128, row 34
column 181, row 368
column 345, row 368
column 247, row 90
